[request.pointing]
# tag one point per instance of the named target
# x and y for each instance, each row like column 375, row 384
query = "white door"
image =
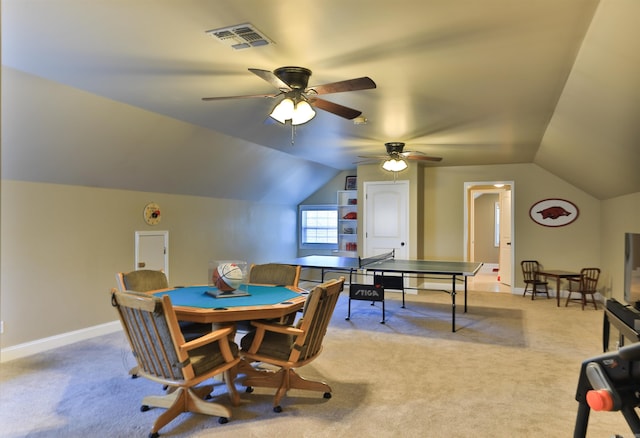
column 152, row 250
column 505, row 270
column 386, row 218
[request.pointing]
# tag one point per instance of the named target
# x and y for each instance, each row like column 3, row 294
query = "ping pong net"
column 376, row 258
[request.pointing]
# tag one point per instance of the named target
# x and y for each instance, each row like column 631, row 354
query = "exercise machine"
column 610, row 382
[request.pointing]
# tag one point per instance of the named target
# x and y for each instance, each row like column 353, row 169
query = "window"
column 318, row 226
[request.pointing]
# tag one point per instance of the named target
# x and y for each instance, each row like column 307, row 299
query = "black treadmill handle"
column 630, row 352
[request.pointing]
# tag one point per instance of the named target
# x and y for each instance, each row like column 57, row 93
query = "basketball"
column 227, row 277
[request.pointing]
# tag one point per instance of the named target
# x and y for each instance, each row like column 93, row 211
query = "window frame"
column 302, row 209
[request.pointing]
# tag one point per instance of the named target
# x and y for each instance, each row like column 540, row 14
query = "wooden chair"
column 585, row 285
column 276, row 274
column 531, row 274
column 290, row 347
column 142, row 280
column 164, row 356
column 145, row 280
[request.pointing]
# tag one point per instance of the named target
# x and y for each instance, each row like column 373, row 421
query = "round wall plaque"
column 553, row 212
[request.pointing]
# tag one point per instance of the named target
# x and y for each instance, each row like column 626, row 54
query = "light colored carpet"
column 509, row 371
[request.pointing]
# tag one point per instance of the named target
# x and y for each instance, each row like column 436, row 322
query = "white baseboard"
column 40, row 345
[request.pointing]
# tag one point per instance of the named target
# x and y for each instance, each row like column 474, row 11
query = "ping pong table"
column 387, row 263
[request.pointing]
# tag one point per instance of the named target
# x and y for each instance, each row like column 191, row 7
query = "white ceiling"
column 554, row 82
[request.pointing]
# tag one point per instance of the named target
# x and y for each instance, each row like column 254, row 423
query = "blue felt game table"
column 192, row 303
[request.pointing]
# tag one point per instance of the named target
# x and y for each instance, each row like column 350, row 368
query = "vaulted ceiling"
column 551, row 82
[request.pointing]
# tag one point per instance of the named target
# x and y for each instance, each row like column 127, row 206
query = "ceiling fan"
column 298, row 97
column 396, row 158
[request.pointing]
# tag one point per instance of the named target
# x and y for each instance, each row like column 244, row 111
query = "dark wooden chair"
column 586, row 286
column 532, row 278
column 290, row 347
column 164, row 356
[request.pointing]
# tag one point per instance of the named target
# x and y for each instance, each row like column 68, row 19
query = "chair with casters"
column 142, row 280
column 290, row 347
column 145, row 280
column 163, row 356
column 276, row 274
column 585, row 285
column 531, row 275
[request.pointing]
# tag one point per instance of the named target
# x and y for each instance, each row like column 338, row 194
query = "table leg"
column 453, row 305
column 465, row 294
column 558, row 292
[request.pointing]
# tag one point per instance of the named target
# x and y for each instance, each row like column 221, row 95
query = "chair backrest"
column 275, row 273
column 142, row 280
column 317, row 313
column 152, row 328
column 530, row 270
column 589, row 279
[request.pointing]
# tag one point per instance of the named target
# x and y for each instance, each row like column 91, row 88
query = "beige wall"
column 62, row 245
column 438, row 209
column 619, row 215
column 484, row 225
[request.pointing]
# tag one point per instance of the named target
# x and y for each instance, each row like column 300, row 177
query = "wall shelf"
column 348, row 223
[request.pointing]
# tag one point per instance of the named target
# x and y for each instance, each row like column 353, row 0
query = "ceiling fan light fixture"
column 299, row 113
column 395, row 164
column 282, row 112
column 302, row 113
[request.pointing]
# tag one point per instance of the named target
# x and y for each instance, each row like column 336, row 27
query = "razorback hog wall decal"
column 553, row 212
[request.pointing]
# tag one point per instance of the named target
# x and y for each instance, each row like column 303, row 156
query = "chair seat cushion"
column 277, row 345
column 192, row 330
column 208, row 357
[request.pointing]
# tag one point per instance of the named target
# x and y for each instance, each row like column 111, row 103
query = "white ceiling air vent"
column 240, row 36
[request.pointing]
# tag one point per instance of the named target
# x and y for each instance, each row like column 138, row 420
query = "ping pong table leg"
column 465, row 294
column 453, row 304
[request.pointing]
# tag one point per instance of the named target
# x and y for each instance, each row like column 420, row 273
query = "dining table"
column 559, row 275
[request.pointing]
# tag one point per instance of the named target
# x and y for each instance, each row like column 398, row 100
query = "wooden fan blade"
column 334, row 108
column 422, row 158
column 270, row 77
column 252, row 96
column 363, row 83
column 373, row 157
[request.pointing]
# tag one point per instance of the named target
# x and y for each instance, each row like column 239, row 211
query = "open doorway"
column 488, row 222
